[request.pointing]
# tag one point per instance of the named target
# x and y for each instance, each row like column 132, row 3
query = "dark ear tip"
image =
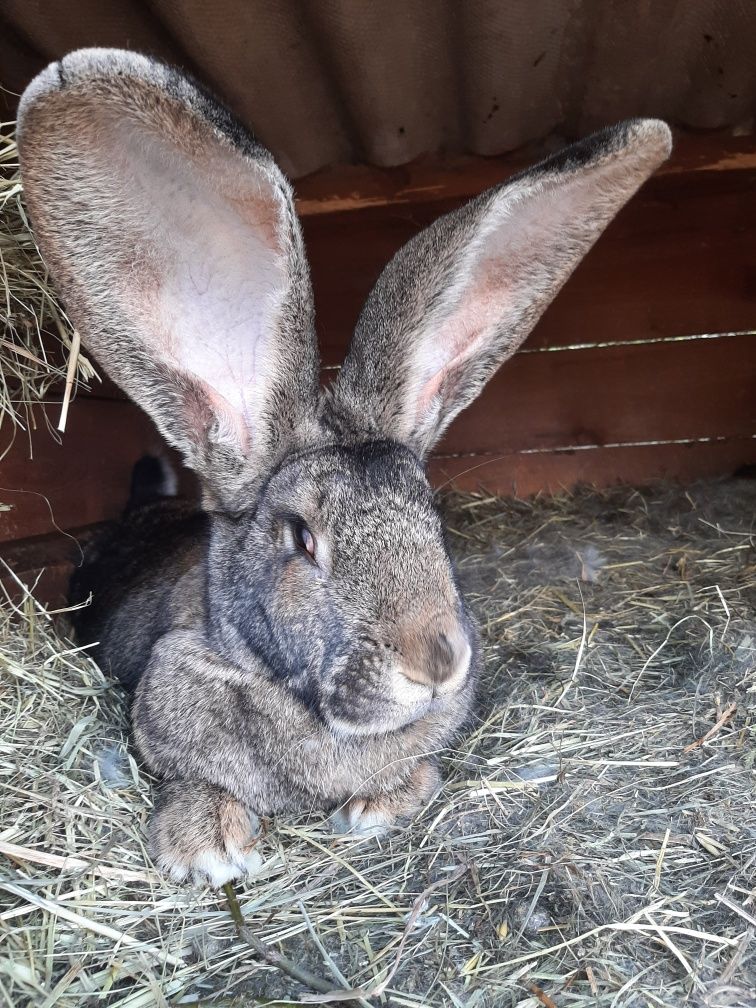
column 48, row 81
column 640, row 145
column 646, row 142
column 651, row 136
column 80, row 67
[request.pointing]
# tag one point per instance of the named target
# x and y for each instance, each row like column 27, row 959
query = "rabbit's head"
column 173, row 238
column 341, row 580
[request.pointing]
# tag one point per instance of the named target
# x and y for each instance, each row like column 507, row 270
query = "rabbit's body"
column 302, row 641
column 221, row 672
column 154, row 633
column 139, row 578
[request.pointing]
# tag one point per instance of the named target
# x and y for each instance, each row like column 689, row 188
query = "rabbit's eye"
column 304, row 539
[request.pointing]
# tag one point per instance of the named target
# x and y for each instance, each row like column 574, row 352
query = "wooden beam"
column 617, row 394
column 432, row 178
column 512, row 474
column 47, row 561
column 679, row 259
column 546, row 420
column 44, row 565
column 82, row 479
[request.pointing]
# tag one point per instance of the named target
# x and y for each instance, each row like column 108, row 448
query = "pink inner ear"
column 465, row 329
column 231, row 425
column 518, row 266
column 201, row 266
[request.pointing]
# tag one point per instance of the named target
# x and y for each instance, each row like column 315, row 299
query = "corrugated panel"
column 383, row 81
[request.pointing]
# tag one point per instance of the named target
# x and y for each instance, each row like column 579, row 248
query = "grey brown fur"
column 301, row 642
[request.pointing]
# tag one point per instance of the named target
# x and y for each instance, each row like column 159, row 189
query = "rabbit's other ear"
column 172, row 236
column 463, row 294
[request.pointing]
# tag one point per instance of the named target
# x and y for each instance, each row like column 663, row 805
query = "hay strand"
column 39, row 349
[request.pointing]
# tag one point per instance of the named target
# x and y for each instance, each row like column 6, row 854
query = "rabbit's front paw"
column 362, row 817
column 376, row 815
column 202, row 834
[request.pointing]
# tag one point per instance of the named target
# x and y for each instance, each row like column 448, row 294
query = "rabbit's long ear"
column 462, row 295
column 173, row 239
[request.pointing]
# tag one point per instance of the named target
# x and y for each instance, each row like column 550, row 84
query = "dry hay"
column 38, row 349
column 594, row 843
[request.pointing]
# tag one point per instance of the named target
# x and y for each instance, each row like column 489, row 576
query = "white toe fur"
column 216, row 871
column 211, row 868
column 214, row 868
column 251, row 861
column 358, row 819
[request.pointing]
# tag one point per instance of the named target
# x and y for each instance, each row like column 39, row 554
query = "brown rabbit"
column 301, row 641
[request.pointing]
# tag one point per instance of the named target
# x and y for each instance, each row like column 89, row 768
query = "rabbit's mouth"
column 388, row 700
column 371, row 716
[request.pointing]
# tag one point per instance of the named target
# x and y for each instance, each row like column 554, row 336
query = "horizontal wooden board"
column 44, row 565
column 537, row 404
column 619, row 393
column 552, row 472
column 83, row 479
column 48, row 583
column 343, row 188
column 679, row 259
column 47, row 562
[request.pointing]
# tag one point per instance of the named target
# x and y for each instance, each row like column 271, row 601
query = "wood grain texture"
column 538, row 412
column 46, row 562
column 618, row 393
column 83, row 479
column 44, row 565
column 553, row 472
column 430, row 178
column 679, row 259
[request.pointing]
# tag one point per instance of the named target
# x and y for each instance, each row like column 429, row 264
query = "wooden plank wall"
column 611, row 385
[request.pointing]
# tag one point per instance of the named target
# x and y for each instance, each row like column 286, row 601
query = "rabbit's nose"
column 437, row 656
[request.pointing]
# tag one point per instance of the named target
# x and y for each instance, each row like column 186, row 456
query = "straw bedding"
column 38, row 347
column 594, row 842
